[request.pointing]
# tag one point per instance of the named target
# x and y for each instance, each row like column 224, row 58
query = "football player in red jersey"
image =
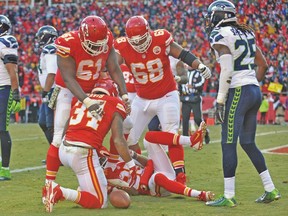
column 153, row 177
column 127, row 124
column 82, row 146
column 81, row 56
column 146, row 53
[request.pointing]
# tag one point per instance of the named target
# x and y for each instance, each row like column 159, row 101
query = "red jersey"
column 83, row 127
column 151, row 70
column 128, row 77
column 88, row 67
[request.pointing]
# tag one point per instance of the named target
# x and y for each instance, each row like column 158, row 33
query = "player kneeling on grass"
column 82, row 147
column 155, row 176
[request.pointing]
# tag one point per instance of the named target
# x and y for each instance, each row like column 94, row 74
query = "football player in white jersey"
column 47, row 69
column 235, row 48
column 9, row 91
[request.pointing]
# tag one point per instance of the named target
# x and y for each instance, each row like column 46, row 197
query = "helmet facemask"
column 46, row 35
column 94, row 48
column 140, row 43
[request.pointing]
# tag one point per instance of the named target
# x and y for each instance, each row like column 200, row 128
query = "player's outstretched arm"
column 187, row 57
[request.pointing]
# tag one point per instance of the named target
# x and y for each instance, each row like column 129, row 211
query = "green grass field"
column 22, row 195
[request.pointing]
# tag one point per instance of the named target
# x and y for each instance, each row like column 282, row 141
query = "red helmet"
column 106, row 86
column 93, row 34
column 138, row 33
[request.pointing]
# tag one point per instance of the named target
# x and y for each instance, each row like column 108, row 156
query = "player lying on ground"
column 155, row 176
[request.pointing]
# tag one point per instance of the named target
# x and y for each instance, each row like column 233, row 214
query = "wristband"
column 88, row 102
column 130, row 164
column 124, row 97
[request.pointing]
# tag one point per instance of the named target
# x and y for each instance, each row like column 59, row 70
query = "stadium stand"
column 184, row 18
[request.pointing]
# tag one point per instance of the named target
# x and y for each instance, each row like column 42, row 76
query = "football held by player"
column 146, row 53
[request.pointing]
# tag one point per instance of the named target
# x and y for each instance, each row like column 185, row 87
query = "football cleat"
column 196, row 138
column 53, row 195
column 5, row 174
column 222, row 201
column 181, row 178
column 268, row 197
column 207, row 137
column 206, row 196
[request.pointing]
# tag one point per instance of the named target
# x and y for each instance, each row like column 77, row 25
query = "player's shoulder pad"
column 219, row 33
column 49, row 49
column 9, row 41
column 120, row 43
column 162, row 36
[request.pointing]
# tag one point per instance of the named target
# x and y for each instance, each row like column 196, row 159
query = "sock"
column 69, row 194
column 88, row 200
column 167, row 138
column 229, row 187
column 164, row 138
column 176, row 155
column 267, row 181
column 52, row 162
column 174, row 187
column 83, row 198
column 6, row 145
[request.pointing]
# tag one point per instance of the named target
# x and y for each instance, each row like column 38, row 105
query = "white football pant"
column 85, row 164
column 61, row 114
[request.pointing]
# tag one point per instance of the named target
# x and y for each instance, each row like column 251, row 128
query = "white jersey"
column 47, row 64
column 243, row 49
column 8, row 46
column 173, row 64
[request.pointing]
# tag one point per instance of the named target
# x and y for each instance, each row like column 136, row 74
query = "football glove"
column 94, row 107
column 220, row 112
column 177, row 78
column 205, row 71
column 45, row 97
column 127, row 103
column 15, row 106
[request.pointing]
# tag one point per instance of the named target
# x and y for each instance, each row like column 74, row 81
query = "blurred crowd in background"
column 183, row 18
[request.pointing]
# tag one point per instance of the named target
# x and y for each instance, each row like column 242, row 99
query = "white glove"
column 177, row 78
column 94, row 107
column 204, row 70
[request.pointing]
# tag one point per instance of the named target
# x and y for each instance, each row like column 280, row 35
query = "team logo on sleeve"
column 156, row 50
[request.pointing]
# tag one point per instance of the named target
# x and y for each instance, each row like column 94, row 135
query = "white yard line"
column 144, row 151
column 28, row 169
column 269, row 151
